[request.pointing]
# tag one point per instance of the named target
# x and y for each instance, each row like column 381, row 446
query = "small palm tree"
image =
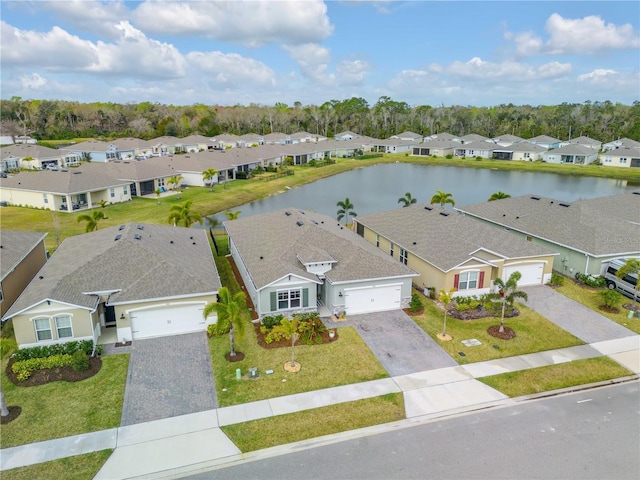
column 229, row 309
column 208, row 175
column 443, row 198
column 92, row 220
column 407, row 200
column 289, row 330
column 346, row 209
column 445, row 298
column 182, row 214
column 631, row 267
column 232, row 215
column 157, row 191
column 508, row 293
column 498, row 196
column 174, row 181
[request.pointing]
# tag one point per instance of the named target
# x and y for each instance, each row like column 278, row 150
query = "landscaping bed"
column 260, row 337
column 46, row 375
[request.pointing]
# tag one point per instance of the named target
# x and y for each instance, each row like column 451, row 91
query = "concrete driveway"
column 167, row 377
column 575, row 318
column 400, row 345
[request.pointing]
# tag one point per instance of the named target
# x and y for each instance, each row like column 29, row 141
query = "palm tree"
column 157, row 191
column 346, row 209
column 182, row 214
column 232, row 215
column 229, row 309
column 289, row 330
column 407, row 200
column 445, row 299
column 508, row 293
column 443, row 198
column 631, row 267
column 498, row 196
column 92, row 220
column 208, row 175
column 175, row 181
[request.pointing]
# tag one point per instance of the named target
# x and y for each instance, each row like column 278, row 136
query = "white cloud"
column 313, row 60
column 527, row 44
column 90, row 16
column 480, row 70
column 32, row 81
column 232, row 70
column 250, row 23
column 352, row 72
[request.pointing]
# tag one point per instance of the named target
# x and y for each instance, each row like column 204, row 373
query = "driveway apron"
column 400, row 345
column 167, row 377
column 575, row 318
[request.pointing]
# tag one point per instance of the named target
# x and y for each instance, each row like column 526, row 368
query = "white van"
column 626, row 285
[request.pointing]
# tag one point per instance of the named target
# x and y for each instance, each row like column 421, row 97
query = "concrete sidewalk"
column 157, row 448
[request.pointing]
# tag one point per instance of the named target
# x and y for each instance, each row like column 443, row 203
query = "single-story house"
column 473, row 137
column 36, row 157
column 576, row 154
column 436, row 148
column 522, row 151
column 621, row 157
column 197, row 143
column 545, row 141
column 130, row 148
column 165, row 145
column 143, row 176
column 586, row 233
column 141, row 280
column 507, row 140
column 443, row 137
column 298, row 261
column 621, row 143
column 250, row 140
column 409, row 136
column 480, row 148
column 584, row 141
column 225, row 140
column 93, row 150
column 451, row 251
column 395, row 145
column 274, row 138
column 306, row 137
column 346, row 135
column 23, row 255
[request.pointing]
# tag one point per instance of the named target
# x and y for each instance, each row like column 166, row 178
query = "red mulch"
column 239, row 356
column 14, row 412
column 287, row 343
column 46, row 375
column 507, row 334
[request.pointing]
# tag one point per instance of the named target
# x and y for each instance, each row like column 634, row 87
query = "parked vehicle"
column 626, row 285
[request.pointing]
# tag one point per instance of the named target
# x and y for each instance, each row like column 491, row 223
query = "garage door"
column 167, row 321
column 372, row 299
column 532, row 273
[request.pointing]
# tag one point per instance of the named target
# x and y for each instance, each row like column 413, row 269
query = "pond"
column 378, row 188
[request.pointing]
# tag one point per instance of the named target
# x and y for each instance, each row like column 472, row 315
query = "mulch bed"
column 239, row 356
column 411, row 313
column 46, row 375
column 507, row 334
column 604, row 308
column 14, row 412
column 287, row 343
column 629, row 306
column 474, row 313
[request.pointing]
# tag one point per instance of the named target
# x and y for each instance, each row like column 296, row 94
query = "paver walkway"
column 168, row 376
column 400, row 345
column 575, row 318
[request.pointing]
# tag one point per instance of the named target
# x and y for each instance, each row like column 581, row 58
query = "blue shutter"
column 305, row 297
column 274, row 304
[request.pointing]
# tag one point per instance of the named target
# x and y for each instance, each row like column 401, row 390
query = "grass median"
column 79, row 467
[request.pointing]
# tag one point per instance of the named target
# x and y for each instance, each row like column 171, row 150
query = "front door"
column 109, row 316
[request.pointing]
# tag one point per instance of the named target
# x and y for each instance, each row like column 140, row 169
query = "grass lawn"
column 60, row 409
column 269, row 432
column 590, row 298
column 553, row 377
column 534, row 333
column 80, row 467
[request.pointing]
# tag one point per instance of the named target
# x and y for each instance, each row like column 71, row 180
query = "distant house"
column 575, row 154
column 197, row 143
column 226, row 140
column 586, row 234
column 507, row 140
column 299, row 261
column 130, row 148
column 583, row 141
column 435, row 148
column 160, row 146
column 23, row 255
column 472, row 138
column 93, row 150
column 620, row 143
column 346, row 135
column 451, row 251
column 36, row 157
column 394, row 145
column 141, row 280
column 408, row 136
column 621, row 157
column 478, row 148
column 545, row 141
column 522, row 151
column 443, row 137
column 250, row 140
column 306, row 137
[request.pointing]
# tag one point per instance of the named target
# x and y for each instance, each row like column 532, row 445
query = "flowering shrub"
column 24, row 368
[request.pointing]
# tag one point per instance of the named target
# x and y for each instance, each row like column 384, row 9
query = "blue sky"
column 309, row 51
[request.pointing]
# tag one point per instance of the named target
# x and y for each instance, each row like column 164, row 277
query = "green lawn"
column 553, row 377
column 590, row 298
column 80, row 467
column 534, row 333
column 60, row 409
column 269, row 432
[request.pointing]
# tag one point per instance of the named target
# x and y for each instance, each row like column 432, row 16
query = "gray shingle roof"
column 598, row 226
column 14, row 247
column 270, row 244
column 445, row 241
column 164, row 262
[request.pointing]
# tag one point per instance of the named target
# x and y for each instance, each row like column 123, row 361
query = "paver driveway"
column 400, row 345
column 168, row 376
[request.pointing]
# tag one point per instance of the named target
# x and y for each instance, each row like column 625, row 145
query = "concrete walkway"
column 575, row 318
column 176, row 445
column 167, row 377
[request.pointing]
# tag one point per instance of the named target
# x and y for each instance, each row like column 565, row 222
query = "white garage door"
column 532, row 273
column 372, row 299
column 167, row 321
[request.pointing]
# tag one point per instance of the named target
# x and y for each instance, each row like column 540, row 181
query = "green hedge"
column 24, row 368
column 67, row 348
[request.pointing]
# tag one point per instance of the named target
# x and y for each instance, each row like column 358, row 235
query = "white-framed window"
column 403, row 256
column 527, row 155
column 289, row 299
column 623, row 160
column 124, row 190
column 377, row 240
column 468, row 281
column 391, row 249
column 63, row 326
column 161, row 182
column 45, row 198
column 112, row 192
column 43, row 329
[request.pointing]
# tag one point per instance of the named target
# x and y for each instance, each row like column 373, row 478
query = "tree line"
column 62, row 120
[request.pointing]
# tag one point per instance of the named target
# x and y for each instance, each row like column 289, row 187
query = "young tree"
column 174, row 181
column 407, row 200
column 92, row 220
column 631, row 267
column 182, row 214
column 445, row 298
column 229, row 309
column 508, row 293
column 442, row 198
column 157, row 191
column 232, row 215
column 498, row 196
column 345, row 209
column 208, row 175
column 289, row 330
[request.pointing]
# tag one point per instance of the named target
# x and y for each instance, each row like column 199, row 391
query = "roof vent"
column 301, row 211
column 41, row 277
column 140, row 227
column 171, row 241
column 428, row 208
column 636, row 193
column 287, row 213
column 414, row 243
column 535, row 198
column 564, row 204
column 118, row 237
column 444, row 214
column 299, row 223
column 194, row 243
column 137, row 237
column 261, row 257
column 314, row 222
column 121, row 227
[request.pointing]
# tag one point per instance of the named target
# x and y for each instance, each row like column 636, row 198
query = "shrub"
column 214, row 330
column 311, row 331
column 7, row 345
column 609, row 297
column 275, row 335
column 80, row 361
column 462, row 307
column 557, row 280
column 67, row 348
column 271, row 321
column 303, row 317
column 24, row 368
column 240, row 175
column 595, row 281
column 416, row 304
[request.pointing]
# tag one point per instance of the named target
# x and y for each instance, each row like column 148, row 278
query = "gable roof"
column 15, row 247
column 136, row 264
column 21, row 150
column 574, row 149
column 543, row 139
column 272, row 245
column 446, row 241
column 599, row 226
column 87, row 146
column 89, row 177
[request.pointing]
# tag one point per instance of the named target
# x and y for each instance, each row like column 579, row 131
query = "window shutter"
column 273, row 302
column 305, row 297
column 481, row 280
column 456, row 281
